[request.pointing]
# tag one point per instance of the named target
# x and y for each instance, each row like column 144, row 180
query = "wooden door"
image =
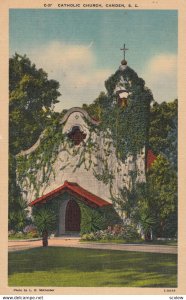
column 73, row 216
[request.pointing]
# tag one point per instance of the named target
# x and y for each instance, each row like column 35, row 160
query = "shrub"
column 23, row 236
column 29, row 228
column 19, row 235
column 116, row 232
column 96, row 219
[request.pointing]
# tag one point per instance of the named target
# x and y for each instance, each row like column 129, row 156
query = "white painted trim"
column 81, row 110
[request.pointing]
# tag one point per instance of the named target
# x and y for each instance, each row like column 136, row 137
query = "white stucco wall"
column 102, row 153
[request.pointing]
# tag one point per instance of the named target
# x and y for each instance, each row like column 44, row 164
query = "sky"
column 81, row 48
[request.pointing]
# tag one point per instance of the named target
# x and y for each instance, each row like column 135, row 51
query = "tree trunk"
column 45, row 238
column 148, row 236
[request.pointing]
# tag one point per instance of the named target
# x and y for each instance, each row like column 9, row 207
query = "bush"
column 116, row 232
column 96, row 219
column 31, row 231
column 23, row 236
column 29, row 228
column 19, row 235
column 33, row 235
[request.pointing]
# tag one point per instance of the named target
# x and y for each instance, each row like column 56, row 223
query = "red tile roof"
column 150, row 158
column 74, row 189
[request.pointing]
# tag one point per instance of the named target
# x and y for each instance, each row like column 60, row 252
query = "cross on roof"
column 124, row 50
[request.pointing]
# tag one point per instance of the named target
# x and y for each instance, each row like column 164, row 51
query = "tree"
column 97, row 108
column 171, row 151
column 156, row 200
column 32, row 96
column 163, row 130
column 45, row 221
column 162, row 196
column 143, row 216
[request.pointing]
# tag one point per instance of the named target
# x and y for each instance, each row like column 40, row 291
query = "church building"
column 81, row 171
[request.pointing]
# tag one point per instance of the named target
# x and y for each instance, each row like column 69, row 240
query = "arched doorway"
column 72, row 216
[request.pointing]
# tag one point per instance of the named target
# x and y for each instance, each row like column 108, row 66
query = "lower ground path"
column 75, row 243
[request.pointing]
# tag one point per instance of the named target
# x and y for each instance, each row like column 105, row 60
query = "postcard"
column 92, row 147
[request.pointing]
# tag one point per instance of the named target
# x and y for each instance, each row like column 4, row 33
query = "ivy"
column 128, row 126
column 122, row 130
column 93, row 219
column 35, row 169
column 106, row 176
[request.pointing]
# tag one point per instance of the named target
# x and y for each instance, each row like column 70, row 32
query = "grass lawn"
column 14, row 238
column 74, row 267
column 154, row 242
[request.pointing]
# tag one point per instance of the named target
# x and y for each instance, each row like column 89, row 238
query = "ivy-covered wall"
column 93, row 164
column 35, row 169
column 93, row 219
column 129, row 125
column 106, row 160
